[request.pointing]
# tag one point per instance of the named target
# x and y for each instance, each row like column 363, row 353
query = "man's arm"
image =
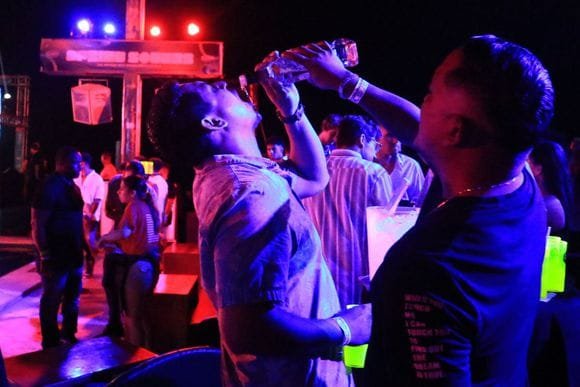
column 306, row 152
column 93, row 208
column 307, row 156
column 123, row 232
column 39, row 220
column 327, row 72
column 99, row 186
column 270, row 330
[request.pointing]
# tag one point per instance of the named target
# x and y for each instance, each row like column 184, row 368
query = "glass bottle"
column 286, row 71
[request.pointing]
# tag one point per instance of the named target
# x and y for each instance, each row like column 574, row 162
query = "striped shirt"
column 339, row 214
column 144, row 238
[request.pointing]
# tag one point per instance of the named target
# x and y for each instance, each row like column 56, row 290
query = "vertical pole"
column 132, row 85
column 22, row 113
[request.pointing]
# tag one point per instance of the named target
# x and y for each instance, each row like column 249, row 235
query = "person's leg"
column 70, row 304
column 138, row 288
column 90, row 229
column 113, row 276
column 53, row 283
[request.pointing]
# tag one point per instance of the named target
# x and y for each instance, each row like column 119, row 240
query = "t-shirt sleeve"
column 252, row 246
column 437, row 320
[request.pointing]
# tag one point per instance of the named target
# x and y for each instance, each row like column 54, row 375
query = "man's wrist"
column 345, row 329
column 295, row 117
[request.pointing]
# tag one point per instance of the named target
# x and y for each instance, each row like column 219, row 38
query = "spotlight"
column 192, row 29
column 155, row 31
column 109, row 29
column 84, row 27
column 7, row 95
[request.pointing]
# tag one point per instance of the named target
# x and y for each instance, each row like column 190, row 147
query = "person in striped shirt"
column 339, row 212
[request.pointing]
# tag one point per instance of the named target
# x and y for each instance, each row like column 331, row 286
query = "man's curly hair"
column 174, row 125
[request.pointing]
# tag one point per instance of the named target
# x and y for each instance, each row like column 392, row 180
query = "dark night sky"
column 400, row 43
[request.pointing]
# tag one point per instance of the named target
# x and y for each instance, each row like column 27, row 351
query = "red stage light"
column 192, row 29
column 155, row 31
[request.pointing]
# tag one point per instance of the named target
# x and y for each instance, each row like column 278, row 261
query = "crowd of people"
column 283, row 234
column 67, row 209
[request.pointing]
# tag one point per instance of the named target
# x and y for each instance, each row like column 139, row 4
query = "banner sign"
column 117, row 57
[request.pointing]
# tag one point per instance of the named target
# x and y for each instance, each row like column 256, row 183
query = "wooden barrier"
column 180, row 258
column 170, row 311
column 88, row 361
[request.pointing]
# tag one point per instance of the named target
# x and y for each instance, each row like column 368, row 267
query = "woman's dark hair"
column 513, row 85
column 139, row 185
column 551, row 156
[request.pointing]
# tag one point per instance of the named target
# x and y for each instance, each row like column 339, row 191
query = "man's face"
column 440, row 106
column 388, row 144
column 369, row 148
column 275, row 151
column 228, row 103
column 85, row 167
column 72, row 166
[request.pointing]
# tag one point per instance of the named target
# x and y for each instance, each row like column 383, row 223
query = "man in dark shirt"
column 57, row 231
column 455, row 299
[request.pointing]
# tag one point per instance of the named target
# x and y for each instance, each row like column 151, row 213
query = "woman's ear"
column 211, row 122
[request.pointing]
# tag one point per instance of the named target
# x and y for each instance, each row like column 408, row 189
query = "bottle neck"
column 245, row 80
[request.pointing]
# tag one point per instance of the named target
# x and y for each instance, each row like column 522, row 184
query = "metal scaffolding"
column 17, row 115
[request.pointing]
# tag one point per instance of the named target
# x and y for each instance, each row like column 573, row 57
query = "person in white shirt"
column 339, row 212
column 402, row 168
column 92, row 189
column 160, row 185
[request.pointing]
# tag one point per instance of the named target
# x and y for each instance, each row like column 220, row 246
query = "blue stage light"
column 109, row 29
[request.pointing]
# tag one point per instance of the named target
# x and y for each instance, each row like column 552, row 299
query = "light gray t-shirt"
column 257, row 244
